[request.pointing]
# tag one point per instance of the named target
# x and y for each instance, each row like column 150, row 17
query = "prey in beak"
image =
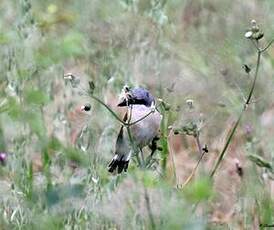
column 127, row 100
column 126, row 97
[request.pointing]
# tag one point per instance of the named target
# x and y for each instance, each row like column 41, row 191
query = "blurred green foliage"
column 177, row 49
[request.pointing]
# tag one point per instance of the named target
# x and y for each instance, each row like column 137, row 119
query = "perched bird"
column 139, row 102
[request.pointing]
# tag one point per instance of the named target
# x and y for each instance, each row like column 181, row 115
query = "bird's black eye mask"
column 136, row 97
column 132, row 101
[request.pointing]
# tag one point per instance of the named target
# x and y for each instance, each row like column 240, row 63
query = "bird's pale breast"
column 144, row 131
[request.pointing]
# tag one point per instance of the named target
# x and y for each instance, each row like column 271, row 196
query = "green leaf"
column 36, row 97
column 3, row 39
column 258, row 160
column 72, row 44
column 199, row 190
column 14, row 109
column 54, row 145
column 35, row 121
column 76, row 156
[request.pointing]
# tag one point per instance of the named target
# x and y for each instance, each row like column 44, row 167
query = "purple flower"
column 3, row 157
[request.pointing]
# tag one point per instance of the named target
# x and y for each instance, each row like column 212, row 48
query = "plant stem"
column 202, row 153
column 221, row 156
column 170, row 150
column 255, row 79
column 197, row 138
column 108, row 108
column 142, row 118
column 117, row 117
column 164, row 143
column 234, row 128
column 152, row 222
column 267, row 46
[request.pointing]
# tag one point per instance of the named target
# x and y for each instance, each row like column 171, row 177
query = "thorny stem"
column 234, row 128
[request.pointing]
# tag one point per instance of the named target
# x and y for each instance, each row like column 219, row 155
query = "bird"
column 139, row 102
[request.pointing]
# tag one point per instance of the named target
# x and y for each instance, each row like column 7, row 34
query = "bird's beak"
column 123, row 102
column 127, row 99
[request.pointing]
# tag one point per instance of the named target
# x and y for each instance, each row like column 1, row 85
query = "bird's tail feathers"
column 119, row 162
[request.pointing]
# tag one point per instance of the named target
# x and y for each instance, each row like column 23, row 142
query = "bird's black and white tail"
column 122, row 153
column 118, row 162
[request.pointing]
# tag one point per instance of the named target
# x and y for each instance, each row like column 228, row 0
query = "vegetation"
column 209, row 63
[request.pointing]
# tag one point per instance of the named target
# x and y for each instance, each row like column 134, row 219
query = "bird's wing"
column 122, row 152
column 122, row 146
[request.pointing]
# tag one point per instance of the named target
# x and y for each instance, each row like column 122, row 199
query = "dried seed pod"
column 246, row 68
column 258, row 35
column 248, row 34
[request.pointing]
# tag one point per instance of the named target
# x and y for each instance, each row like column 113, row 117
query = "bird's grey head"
column 137, row 96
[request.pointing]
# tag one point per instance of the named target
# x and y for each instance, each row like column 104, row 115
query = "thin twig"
column 109, row 109
column 202, row 153
column 130, row 136
column 142, row 118
column 172, row 158
column 197, row 138
column 193, row 172
column 221, row 156
column 267, row 46
column 234, row 128
column 255, row 43
column 117, row 117
column 255, row 79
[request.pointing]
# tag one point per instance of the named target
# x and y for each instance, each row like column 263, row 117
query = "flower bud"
column 176, row 131
column 189, row 103
column 253, row 22
column 3, row 158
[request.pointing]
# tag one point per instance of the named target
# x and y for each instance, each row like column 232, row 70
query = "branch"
column 202, row 153
column 108, row 108
column 267, row 46
column 142, row 118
